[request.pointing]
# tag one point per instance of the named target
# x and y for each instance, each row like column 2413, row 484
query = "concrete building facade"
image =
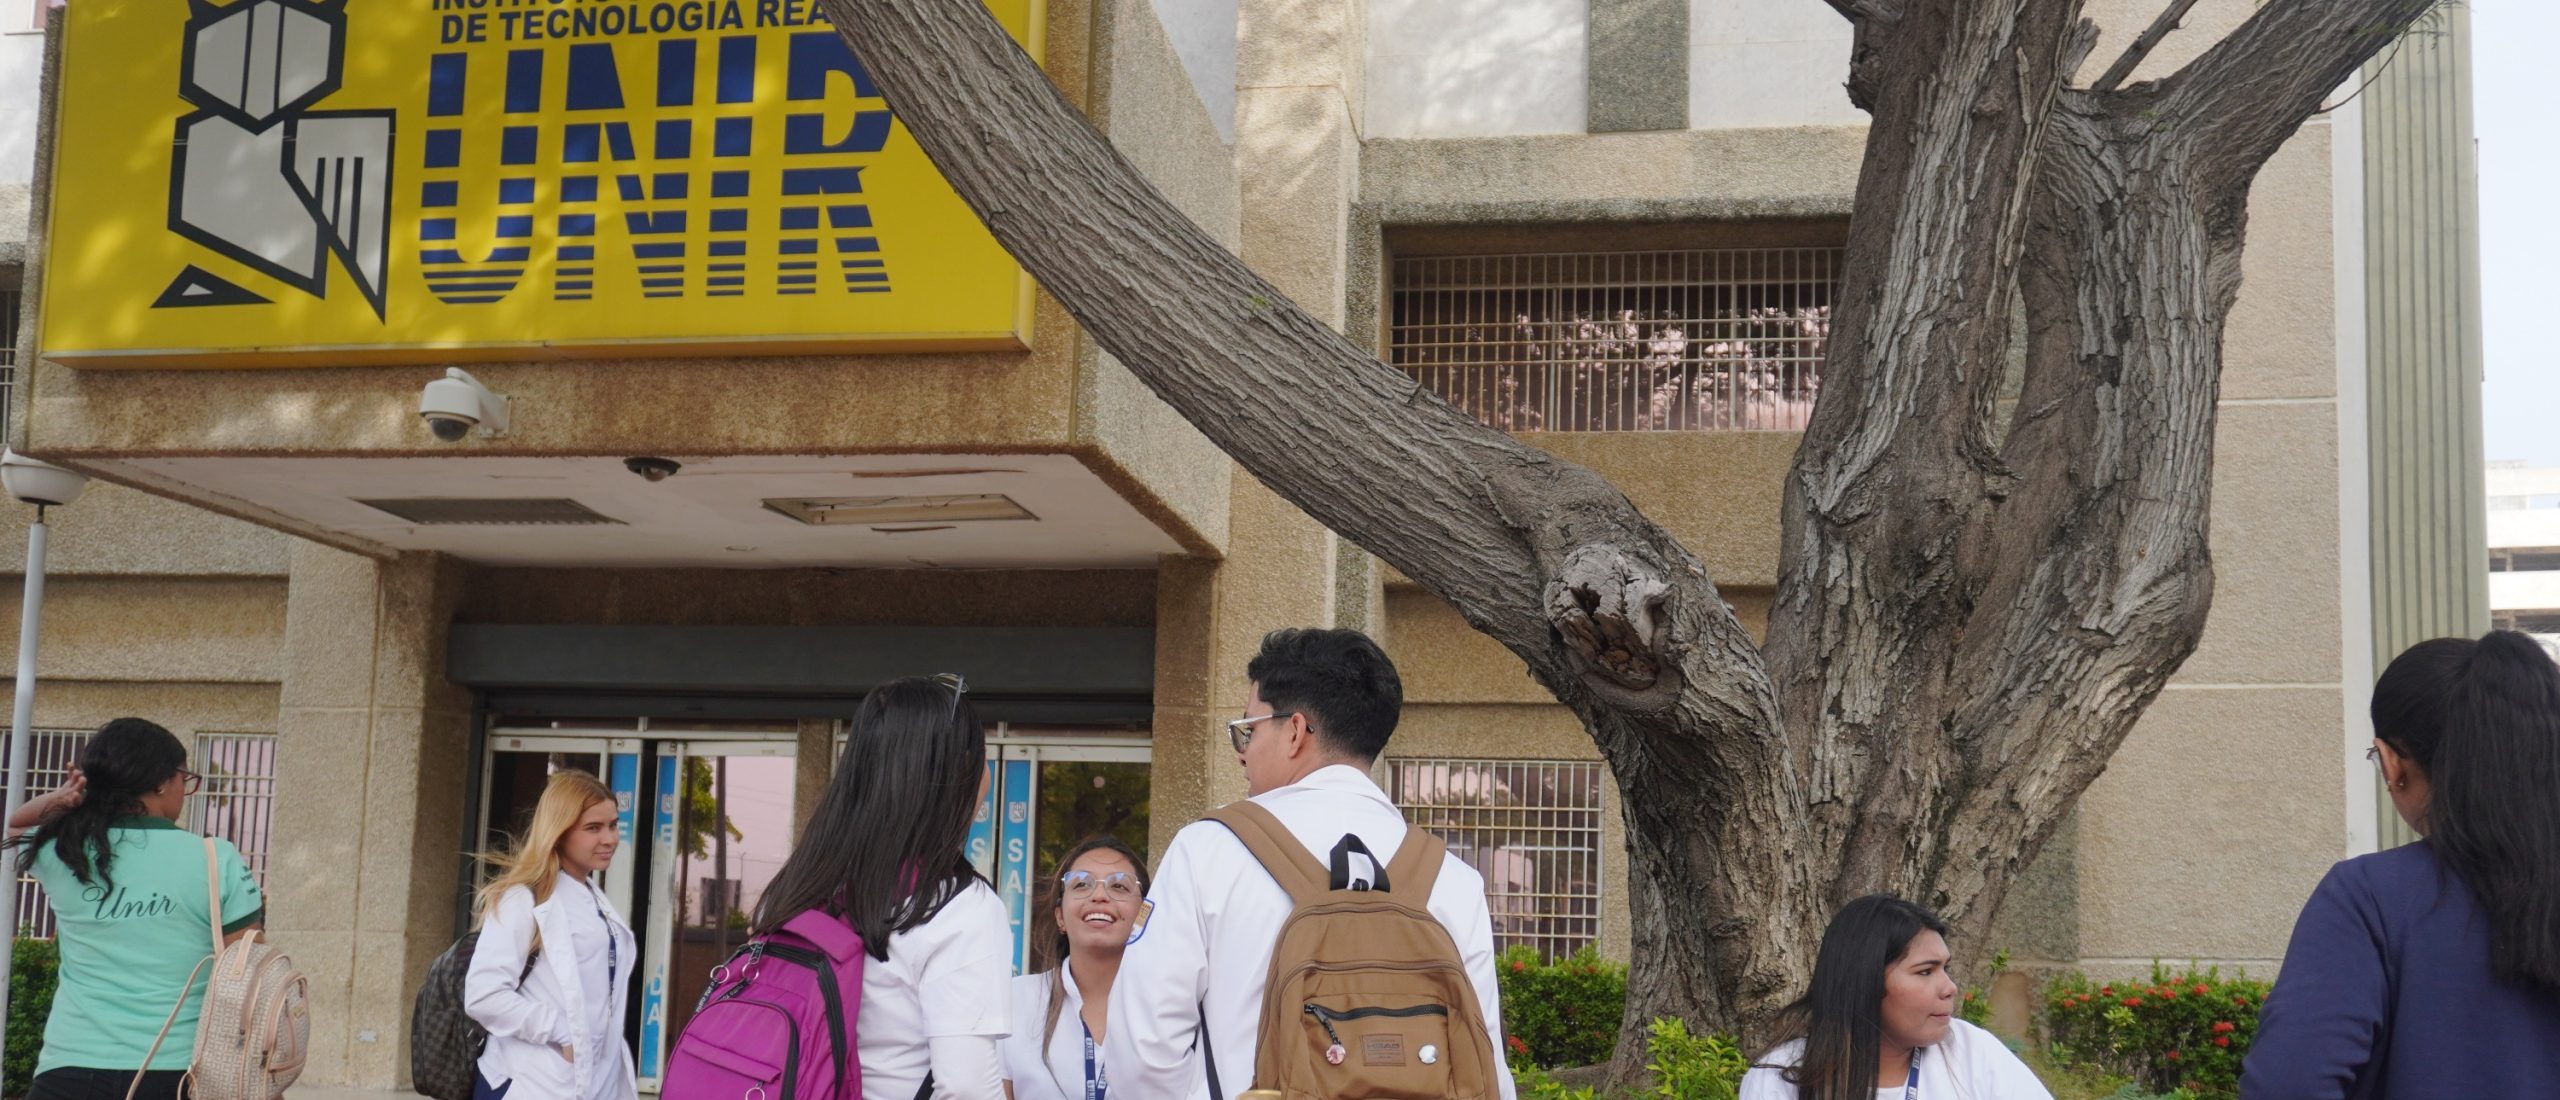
column 1611, row 227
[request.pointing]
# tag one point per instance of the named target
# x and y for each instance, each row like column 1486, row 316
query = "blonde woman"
column 556, row 1034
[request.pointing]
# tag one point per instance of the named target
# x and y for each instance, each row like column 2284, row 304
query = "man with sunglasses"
column 1192, row 981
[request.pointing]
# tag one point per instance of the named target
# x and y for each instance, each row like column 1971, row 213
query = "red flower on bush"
column 1518, row 967
column 2133, row 1002
column 2222, row 1041
column 2224, row 1027
column 2201, row 989
column 1518, row 1047
column 2173, row 1056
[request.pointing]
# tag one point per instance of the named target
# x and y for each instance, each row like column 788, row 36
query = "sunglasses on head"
column 959, row 686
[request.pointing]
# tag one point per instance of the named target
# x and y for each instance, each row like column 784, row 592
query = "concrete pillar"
column 371, row 762
column 813, row 764
column 1297, row 167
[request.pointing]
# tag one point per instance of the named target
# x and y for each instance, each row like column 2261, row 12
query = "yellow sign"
column 322, row 182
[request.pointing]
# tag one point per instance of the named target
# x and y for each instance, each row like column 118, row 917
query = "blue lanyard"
column 1911, row 1088
column 612, row 943
column 1094, row 1085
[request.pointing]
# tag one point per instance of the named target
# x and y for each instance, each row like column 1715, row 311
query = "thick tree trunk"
column 1967, row 624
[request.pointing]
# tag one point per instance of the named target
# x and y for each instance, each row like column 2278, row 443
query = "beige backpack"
column 255, row 1031
column 1367, row 995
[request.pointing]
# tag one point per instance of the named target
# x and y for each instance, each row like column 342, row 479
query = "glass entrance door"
column 1046, row 798
column 520, row 765
column 721, row 827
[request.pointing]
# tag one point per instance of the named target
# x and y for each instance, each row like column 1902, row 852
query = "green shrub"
column 2186, row 1031
column 31, row 977
column 1975, row 1006
column 1561, row 1013
column 1683, row 1067
column 1693, row 1067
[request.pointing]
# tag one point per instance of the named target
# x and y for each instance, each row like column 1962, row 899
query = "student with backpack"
column 1306, row 940
column 133, row 915
column 879, row 963
column 552, row 969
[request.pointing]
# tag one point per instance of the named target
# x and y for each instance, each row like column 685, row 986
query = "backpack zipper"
column 1323, row 1014
column 827, row 992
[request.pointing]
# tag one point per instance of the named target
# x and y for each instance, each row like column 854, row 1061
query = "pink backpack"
column 778, row 1020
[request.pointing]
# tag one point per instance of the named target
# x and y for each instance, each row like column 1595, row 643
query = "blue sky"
column 2519, row 223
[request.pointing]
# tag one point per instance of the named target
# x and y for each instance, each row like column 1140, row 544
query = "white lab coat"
column 549, row 1010
column 1969, row 1064
column 1206, row 945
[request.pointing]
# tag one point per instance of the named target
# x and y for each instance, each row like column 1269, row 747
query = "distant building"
column 2524, row 550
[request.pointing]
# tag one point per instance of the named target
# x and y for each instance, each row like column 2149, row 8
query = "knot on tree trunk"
column 1608, row 609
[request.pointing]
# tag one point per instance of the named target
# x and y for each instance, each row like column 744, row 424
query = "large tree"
column 1972, row 609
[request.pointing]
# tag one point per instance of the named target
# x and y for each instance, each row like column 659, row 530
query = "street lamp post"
column 45, row 486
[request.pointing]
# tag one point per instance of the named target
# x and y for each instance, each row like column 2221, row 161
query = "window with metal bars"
column 236, row 803
column 1530, row 827
column 1694, row 340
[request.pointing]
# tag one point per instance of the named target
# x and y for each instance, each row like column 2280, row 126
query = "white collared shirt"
column 1206, row 945
column 1969, row 1064
column 1056, row 1072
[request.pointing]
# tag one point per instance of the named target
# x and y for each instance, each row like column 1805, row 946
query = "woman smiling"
column 1094, row 902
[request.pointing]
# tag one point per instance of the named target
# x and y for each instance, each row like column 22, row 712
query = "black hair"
column 1841, row 1015
column 1049, row 953
column 125, row 760
column 885, row 848
column 1339, row 679
column 2481, row 719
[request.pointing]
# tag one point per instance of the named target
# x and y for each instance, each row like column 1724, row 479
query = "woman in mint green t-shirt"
column 131, row 912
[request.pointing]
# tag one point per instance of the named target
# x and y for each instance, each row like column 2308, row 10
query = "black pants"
column 68, row 1083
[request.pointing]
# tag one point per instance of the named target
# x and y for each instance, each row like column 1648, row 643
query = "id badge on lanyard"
column 1911, row 1088
column 1094, row 1086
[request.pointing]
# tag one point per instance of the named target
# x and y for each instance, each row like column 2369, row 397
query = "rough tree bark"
column 1970, row 615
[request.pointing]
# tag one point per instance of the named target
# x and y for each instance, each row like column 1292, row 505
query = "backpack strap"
column 213, row 891
column 1277, row 848
column 1416, row 866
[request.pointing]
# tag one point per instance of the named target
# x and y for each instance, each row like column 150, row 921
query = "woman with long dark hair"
column 885, row 851
column 2433, row 968
column 1878, row 1022
column 132, row 914
column 1093, row 901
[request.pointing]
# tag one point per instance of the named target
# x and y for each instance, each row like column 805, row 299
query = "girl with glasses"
column 2433, row 968
column 885, row 851
column 1095, row 902
column 131, row 913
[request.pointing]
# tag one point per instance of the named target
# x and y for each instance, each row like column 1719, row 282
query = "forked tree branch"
column 2240, row 100
column 2142, row 46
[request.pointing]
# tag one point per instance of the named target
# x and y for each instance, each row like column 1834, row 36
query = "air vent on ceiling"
column 491, row 511
column 833, row 511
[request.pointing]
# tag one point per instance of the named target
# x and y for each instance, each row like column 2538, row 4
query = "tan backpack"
column 1367, row 998
column 255, row 1030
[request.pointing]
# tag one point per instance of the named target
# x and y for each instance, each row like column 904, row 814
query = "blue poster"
column 1014, row 883
column 653, row 994
column 982, row 829
column 622, row 773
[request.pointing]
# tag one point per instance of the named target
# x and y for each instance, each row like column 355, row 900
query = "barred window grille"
column 1530, row 827
column 1699, row 340
column 236, row 803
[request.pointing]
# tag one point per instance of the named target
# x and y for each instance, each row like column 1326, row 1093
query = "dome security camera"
column 456, row 403
column 654, row 469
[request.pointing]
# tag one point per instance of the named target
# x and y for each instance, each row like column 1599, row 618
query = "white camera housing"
column 456, row 403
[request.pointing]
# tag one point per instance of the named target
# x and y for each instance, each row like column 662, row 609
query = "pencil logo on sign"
column 262, row 178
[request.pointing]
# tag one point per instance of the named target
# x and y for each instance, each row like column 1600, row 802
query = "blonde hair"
column 535, row 862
